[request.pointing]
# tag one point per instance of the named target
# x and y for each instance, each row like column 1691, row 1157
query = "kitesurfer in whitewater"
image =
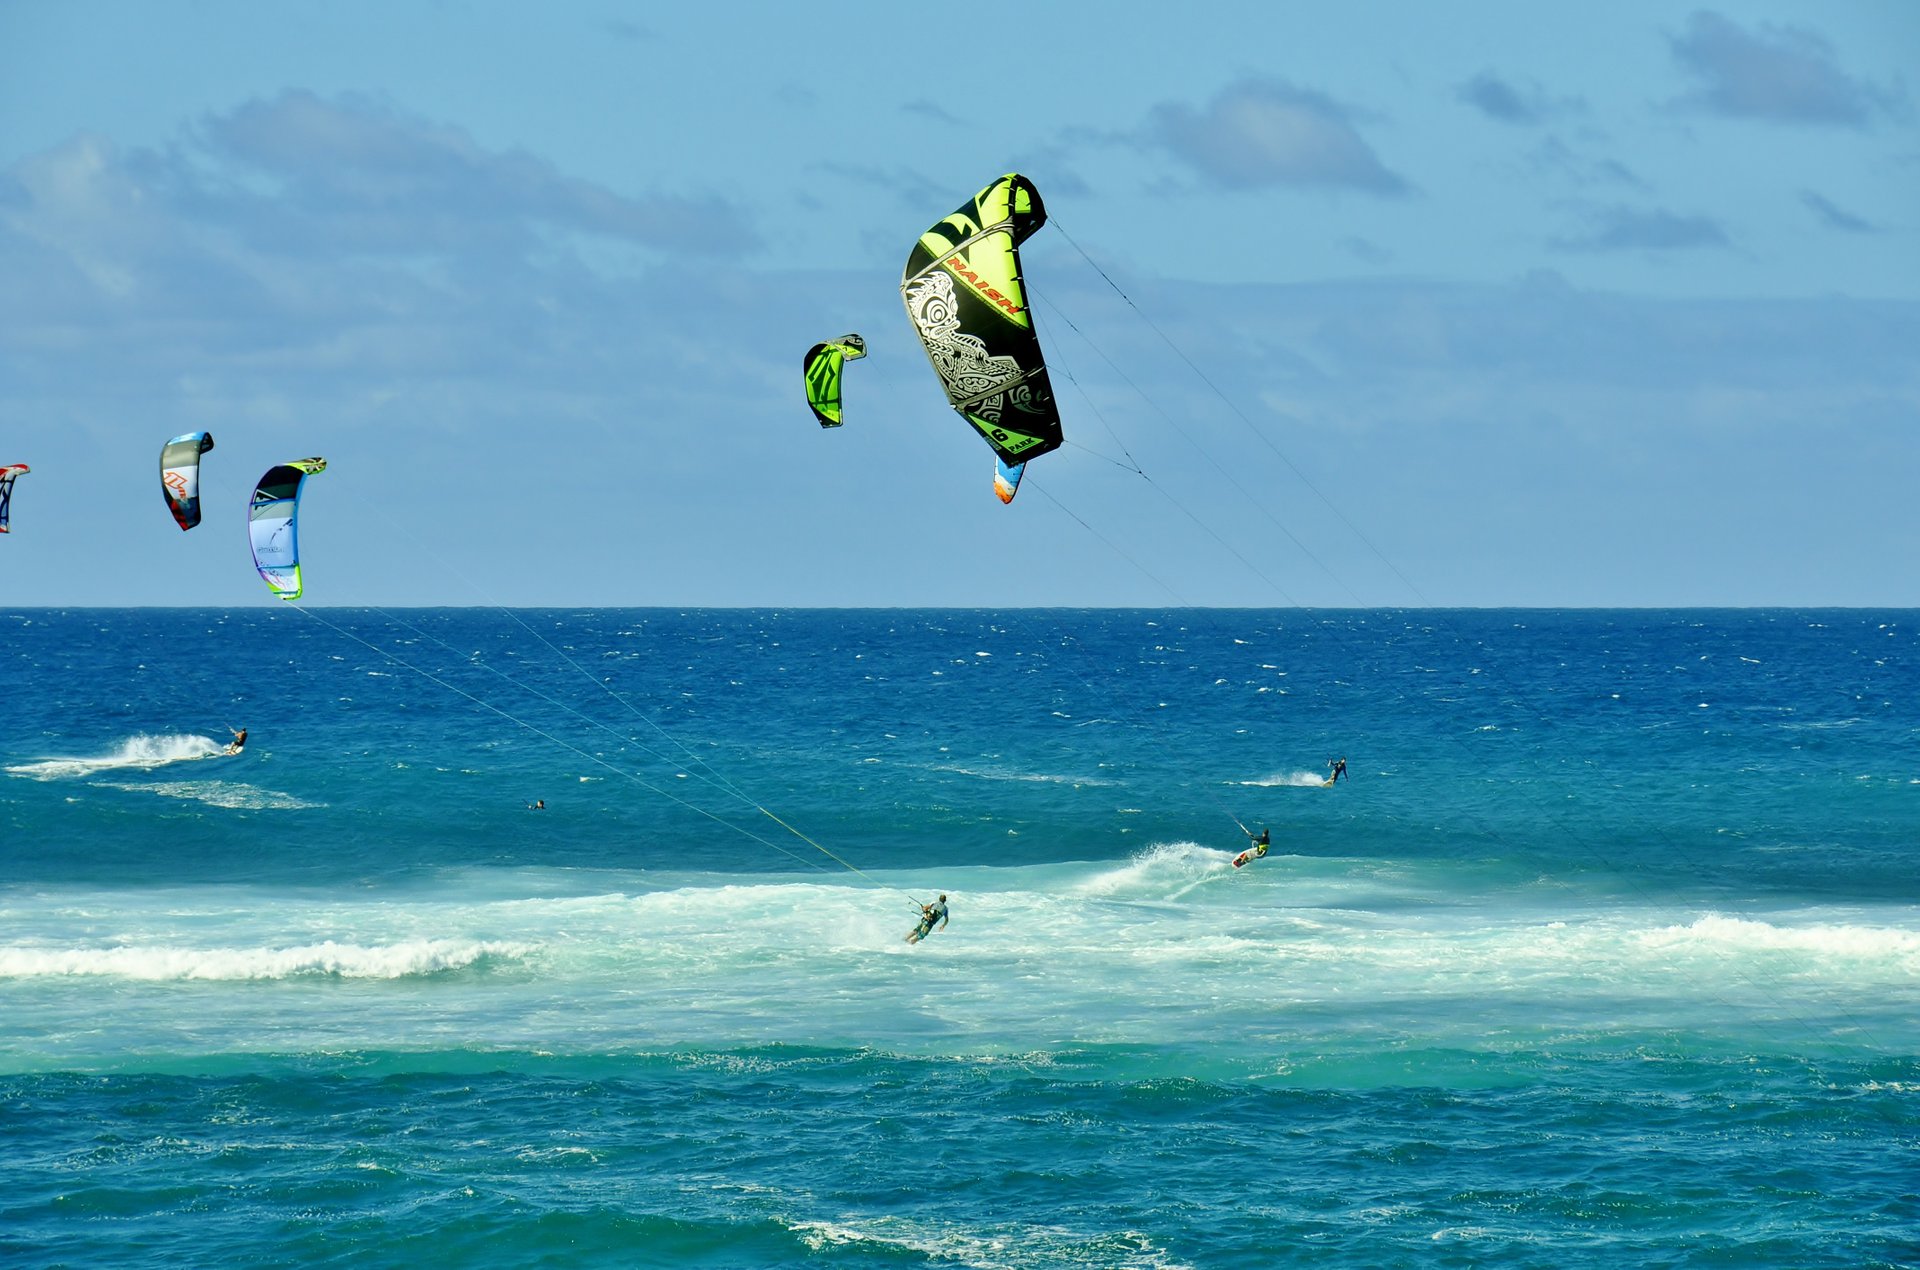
column 929, row 914
column 1339, row 768
column 239, row 741
column 1257, row 850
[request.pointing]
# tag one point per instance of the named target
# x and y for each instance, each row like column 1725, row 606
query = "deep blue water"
column 1607, row 954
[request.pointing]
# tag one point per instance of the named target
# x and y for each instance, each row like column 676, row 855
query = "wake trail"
column 136, row 753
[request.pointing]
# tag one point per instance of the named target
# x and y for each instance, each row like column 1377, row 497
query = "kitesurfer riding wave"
column 1257, row 850
column 929, row 914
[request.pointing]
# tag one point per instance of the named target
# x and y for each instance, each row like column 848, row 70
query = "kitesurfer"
column 538, row 804
column 1257, row 850
column 929, row 914
column 239, row 741
column 1339, row 768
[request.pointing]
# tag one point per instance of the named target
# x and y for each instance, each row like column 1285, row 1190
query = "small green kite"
column 823, row 376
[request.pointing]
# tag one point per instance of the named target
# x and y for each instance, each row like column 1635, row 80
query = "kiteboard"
column 1243, row 857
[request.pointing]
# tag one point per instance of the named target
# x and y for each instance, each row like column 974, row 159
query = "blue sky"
column 1474, row 304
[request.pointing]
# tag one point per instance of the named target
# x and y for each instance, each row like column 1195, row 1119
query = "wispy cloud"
column 352, row 170
column 934, row 111
column 1835, row 218
column 907, row 186
column 1779, row 74
column 1554, row 156
column 1636, row 229
column 1365, row 250
column 626, row 29
column 1055, row 168
column 1264, row 132
column 1499, row 98
column 334, row 249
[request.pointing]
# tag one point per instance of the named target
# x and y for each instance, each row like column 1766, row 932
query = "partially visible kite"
column 963, row 289
column 822, row 369
column 9, row 472
column 180, row 475
column 271, row 524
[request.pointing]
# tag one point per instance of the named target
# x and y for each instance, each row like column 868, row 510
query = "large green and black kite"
column 965, row 293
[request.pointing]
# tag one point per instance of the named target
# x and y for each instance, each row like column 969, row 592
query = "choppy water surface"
column 1606, row 954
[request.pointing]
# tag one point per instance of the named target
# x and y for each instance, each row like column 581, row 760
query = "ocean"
column 1606, row 953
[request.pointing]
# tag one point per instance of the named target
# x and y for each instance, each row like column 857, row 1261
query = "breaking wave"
column 326, row 959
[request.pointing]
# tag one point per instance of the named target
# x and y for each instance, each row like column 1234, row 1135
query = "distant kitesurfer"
column 1257, row 850
column 538, row 804
column 929, row 914
column 239, row 741
column 1339, row 768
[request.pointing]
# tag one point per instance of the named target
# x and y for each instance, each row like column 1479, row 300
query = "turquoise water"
column 1607, row 954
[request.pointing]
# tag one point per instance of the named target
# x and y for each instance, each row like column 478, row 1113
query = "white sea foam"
column 1298, row 952
column 345, row 961
column 1291, row 779
column 1896, row 947
column 1461, row 1234
column 1043, row 778
column 237, row 795
column 136, row 752
column 1012, row 1247
column 1166, row 870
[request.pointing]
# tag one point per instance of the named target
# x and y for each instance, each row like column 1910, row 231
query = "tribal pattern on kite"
column 180, row 475
column 967, row 299
column 822, row 371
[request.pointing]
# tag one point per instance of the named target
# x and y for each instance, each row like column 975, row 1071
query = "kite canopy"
column 1006, row 479
column 964, row 291
column 180, row 475
column 271, row 524
column 9, row 472
column 822, row 369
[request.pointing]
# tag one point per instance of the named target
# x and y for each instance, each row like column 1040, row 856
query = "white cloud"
column 1780, row 74
column 1637, row 229
column 1263, row 132
column 353, row 173
column 1502, row 99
